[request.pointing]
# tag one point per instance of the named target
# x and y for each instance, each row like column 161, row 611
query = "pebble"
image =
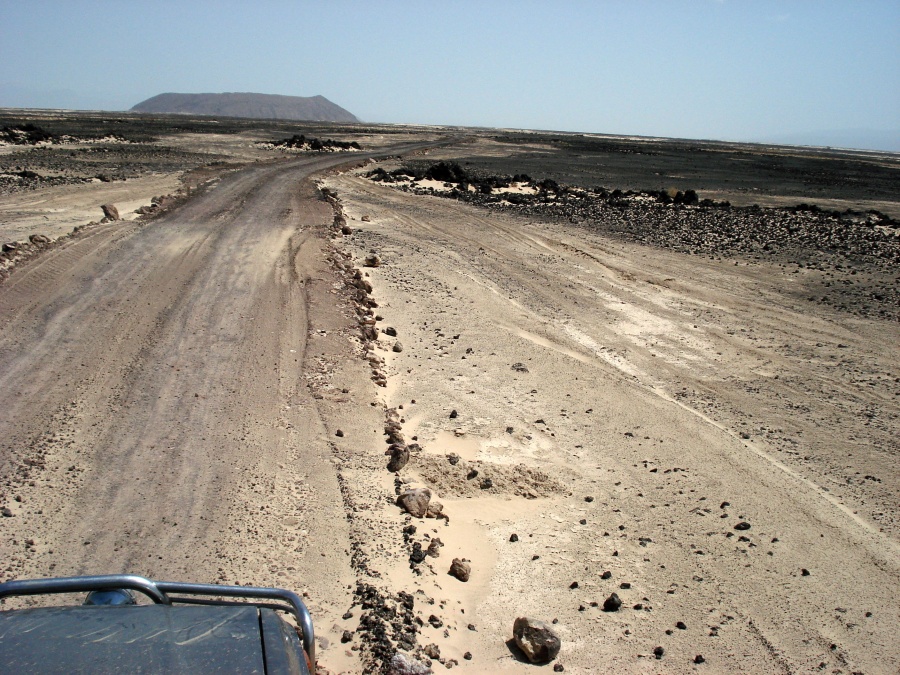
column 514, row 537
column 658, row 652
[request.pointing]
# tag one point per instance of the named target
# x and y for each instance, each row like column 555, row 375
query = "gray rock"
column 372, row 261
column 397, row 348
column 415, row 501
column 460, row 569
column 401, row 664
column 390, row 331
column 536, row 639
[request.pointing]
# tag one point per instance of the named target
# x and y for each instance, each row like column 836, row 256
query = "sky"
column 814, row 71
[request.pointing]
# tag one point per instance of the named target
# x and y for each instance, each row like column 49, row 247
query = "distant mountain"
column 255, row 106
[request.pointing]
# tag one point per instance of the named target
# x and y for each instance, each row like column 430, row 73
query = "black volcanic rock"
column 255, row 106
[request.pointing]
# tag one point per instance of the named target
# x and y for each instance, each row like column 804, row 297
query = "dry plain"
column 195, row 395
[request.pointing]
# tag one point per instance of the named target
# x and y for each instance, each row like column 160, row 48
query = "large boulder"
column 536, row 639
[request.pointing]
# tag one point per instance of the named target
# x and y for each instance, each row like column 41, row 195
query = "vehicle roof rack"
column 160, row 593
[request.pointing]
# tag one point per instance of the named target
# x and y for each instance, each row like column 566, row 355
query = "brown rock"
column 536, row 639
column 372, row 261
column 435, row 510
column 399, row 457
column 39, row 239
column 415, row 501
column 110, row 211
column 460, row 569
column 434, row 548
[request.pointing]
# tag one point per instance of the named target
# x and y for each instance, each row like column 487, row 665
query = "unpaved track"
column 683, row 396
column 155, row 413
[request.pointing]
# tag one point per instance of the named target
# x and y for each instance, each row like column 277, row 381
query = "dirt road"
column 155, row 400
column 677, row 430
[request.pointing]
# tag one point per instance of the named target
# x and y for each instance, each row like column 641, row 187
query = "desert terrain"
column 653, row 400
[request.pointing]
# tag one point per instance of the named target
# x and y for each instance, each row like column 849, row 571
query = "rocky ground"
column 478, row 419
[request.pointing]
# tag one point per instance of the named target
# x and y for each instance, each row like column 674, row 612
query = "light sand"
column 661, row 386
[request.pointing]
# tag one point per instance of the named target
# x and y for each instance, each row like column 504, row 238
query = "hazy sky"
column 727, row 69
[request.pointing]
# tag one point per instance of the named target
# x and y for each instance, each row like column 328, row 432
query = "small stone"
column 397, row 348
column 588, row 499
column 347, row 615
column 435, row 510
column 742, row 526
column 467, row 656
column 625, row 585
column 432, row 651
column 473, row 473
column 487, row 484
column 699, row 659
column 606, row 575
column 453, row 414
column 435, row 622
column 558, row 668
column 573, row 585
column 460, row 569
column 514, row 537
column 681, row 625
column 804, row 572
column 372, row 261
column 434, row 548
column 339, row 433
column 536, row 639
column 390, row 331
column 658, row 652
column 346, row 637
column 612, row 603
column 6, row 513
column 453, row 458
